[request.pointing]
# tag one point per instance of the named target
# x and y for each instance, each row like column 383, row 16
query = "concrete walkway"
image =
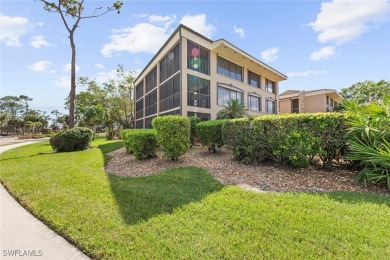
column 22, row 235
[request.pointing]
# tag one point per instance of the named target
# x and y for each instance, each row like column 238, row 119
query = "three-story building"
column 193, row 75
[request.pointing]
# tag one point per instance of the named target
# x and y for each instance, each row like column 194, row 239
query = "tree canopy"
column 367, row 91
column 109, row 105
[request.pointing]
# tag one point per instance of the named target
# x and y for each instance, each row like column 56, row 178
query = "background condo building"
column 310, row 101
column 193, row 75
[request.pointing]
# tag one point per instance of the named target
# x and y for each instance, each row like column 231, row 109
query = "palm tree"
column 234, row 109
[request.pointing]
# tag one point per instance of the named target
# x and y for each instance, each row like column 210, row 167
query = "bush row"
column 288, row 139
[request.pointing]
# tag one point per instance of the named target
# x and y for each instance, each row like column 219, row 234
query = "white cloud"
column 67, row 68
column 306, row 73
column 62, row 82
column 270, row 54
column 105, row 76
column 12, row 29
column 149, row 36
column 40, row 66
column 341, row 21
column 40, row 24
column 165, row 21
column 37, row 41
column 143, row 37
column 323, row 54
column 198, row 23
column 99, row 66
column 239, row 31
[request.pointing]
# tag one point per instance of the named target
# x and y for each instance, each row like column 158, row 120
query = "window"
column 148, row 122
column 269, row 86
column 229, row 69
column 202, row 116
column 198, row 58
column 271, row 107
column 253, row 79
column 151, row 80
column 170, row 93
column 139, row 124
column 139, row 90
column 198, row 92
column 151, row 103
column 295, row 106
column 170, row 64
column 139, row 108
column 254, row 103
column 225, row 95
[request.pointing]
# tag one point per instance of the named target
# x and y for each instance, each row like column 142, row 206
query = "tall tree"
column 367, row 91
column 71, row 13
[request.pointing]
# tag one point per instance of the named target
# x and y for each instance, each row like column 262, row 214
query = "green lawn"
column 185, row 213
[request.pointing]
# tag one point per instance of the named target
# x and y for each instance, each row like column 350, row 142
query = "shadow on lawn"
column 141, row 198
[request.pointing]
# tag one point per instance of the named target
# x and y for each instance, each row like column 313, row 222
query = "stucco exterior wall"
column 284, row 106
column 315, row 104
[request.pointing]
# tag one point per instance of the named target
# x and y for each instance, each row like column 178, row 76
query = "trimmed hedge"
column 142, row 143
column 292, row 139
column 74, row 139
column 173, row 133
column 194, row 133
column 239, row 136
column 210, row 133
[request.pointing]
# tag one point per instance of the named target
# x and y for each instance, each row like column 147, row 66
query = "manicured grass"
column 185, row 213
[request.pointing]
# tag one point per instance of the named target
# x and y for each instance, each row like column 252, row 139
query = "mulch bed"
column 264, row 177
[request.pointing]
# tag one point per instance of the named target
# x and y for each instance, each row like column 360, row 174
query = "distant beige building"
column 312, row 101
column 193, row 75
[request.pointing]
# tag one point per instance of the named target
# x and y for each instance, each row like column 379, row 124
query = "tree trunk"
column 72, row 93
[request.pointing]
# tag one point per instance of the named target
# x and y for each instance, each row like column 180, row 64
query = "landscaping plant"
column 142, row 143
column 75, row 139
column 233, row 109
column 173, row 133
column 369, row 138
column 210, row 134
column 239, row 136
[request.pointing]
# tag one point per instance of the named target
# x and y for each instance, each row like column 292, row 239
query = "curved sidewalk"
column 25, row 237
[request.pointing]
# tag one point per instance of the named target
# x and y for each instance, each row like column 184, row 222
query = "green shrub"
column 75, row 139
column 173, row 133
column 142, row 143
column 287, row 139
column 123, row 136
column 239, row 136
column 369, row 137
column 193, row 132
column 210, row 133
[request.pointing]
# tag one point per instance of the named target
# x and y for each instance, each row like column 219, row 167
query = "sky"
column 317, row 44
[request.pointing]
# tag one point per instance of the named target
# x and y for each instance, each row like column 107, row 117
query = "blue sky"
column 317, row 44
